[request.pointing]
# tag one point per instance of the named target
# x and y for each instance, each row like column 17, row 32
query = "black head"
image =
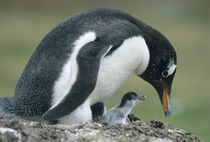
column 97, row 110
column 162, row 67
column 132, row 97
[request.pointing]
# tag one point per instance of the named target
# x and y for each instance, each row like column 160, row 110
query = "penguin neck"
column 154, row 41
column 144, row 58
column 125, row 110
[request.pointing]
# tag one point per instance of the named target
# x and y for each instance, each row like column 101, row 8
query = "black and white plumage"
column 84, row 60
column 119, row 114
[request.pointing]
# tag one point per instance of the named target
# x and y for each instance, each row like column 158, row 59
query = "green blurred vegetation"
column 185, row 23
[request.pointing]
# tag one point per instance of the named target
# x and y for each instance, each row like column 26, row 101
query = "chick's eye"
column 165, row 73
column 134, row 97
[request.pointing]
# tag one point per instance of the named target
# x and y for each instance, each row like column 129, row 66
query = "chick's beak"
column 142, row 98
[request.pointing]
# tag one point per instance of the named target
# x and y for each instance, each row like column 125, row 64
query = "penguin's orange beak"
column 163, row 88
column 166, row 102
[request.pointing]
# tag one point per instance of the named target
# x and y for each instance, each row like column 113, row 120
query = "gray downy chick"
column 118, row 114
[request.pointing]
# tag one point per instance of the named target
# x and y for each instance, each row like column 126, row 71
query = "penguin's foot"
column 127, row 121
column 52, row 122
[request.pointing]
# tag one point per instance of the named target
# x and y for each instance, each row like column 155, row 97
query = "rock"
column 138, row 130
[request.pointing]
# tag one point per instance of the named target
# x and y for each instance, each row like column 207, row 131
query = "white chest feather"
column 131, row 56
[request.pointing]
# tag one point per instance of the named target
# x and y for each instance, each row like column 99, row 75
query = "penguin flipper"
column 88, row 60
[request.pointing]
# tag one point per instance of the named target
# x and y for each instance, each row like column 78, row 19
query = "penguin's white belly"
column 81, row 114
column 115, row 69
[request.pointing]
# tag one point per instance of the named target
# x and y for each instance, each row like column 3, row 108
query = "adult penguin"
column 84, row 60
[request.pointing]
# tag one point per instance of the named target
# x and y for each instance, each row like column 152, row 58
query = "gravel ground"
column 138, row 130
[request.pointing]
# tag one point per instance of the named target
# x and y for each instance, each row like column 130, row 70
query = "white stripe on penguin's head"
column 171, row 67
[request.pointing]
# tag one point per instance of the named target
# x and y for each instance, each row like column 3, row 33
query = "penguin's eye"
column 165, row 73
column 133, row 97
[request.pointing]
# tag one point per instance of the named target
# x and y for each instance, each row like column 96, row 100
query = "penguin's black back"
column 33, row 94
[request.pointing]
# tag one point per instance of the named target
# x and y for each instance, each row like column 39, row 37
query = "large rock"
column 152, row 131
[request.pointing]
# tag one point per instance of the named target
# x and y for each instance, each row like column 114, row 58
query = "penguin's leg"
column 127, row 121
column 88, row 61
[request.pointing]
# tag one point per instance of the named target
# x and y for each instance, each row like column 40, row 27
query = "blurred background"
column 185, row 23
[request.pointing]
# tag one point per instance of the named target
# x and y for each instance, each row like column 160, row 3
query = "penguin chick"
column 98, row 110
column 118, row 115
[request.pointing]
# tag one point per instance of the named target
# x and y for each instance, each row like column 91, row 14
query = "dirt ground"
column 138, row 130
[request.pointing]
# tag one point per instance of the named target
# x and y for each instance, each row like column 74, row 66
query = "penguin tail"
column 6, row 108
